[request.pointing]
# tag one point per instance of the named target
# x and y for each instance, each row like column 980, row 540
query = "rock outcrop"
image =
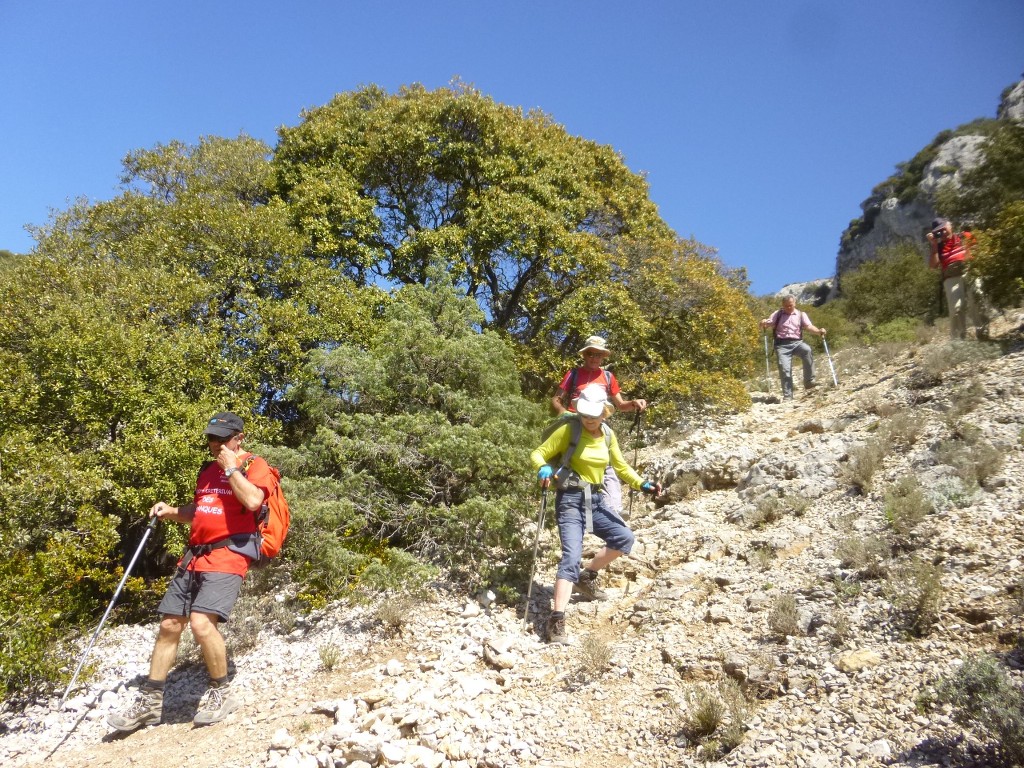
column 888, row 219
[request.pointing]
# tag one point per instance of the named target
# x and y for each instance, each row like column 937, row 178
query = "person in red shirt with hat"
column 229, row 492
column 594, row 353
column 951, row 252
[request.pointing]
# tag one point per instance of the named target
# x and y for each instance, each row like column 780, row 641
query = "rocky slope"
column 762, row 565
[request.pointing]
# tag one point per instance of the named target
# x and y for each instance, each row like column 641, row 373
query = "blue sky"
column 760, row 126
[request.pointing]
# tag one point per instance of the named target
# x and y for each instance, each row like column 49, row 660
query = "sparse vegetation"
column 715, row 718
column 904, row 427
column 864, row 461
column 761, row 557
column 984, row 697
column 330, row 656
column 944, row 357
column 974, row 458
column 595, row 655
column 915, row 589
column 865, row 554
column 393, row 614
column 784, row 618
column 906, row 505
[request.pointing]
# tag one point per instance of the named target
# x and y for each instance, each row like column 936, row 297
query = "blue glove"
column 545, row 472
column 652, row 488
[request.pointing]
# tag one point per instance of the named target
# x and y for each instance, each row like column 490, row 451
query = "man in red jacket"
column 951, row 253
column 229, row 492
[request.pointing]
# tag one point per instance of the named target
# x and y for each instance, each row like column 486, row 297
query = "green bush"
column 906, row 505
column 864, row 461
column 984, row 697
column 892, row 291
column 419, row 453
column 915, row 589
column 895, row 331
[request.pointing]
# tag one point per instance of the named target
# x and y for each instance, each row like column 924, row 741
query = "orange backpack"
column 272, row 519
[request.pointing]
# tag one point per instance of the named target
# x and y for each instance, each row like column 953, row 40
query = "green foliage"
column 894, row 286
column 915, row 589
column 984, row 697
column 419, row 448
column 715, row 718
column 552, row 235
column 999, row 257
column 132, row 322
column 906, row 505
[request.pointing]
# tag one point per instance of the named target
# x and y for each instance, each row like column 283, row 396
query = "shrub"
column 719, row 712
column 864, row 461
column 761, row 557
column 595, row 654
column 784, row 618
column 767, row 509
column 906, row 505
column 897, row 330
column 915, row 590
column 965, row 399
column 904, row 428
column 974, row 459
column 866, row 554
column 983, row 696
column 330, row 655
column 393, row 614
column 894, row 292
column 939, row 359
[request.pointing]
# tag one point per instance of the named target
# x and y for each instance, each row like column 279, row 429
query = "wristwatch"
column 231, row 470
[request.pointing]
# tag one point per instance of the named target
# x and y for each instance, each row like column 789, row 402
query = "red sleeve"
column 614, row 385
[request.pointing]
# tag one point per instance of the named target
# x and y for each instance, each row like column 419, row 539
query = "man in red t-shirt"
column 595, row 351
column 951, row 253
column 230, row 490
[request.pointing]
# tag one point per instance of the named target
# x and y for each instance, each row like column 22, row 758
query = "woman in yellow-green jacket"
column 580, row 502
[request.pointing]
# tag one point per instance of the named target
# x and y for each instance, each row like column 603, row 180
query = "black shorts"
column 202, row 591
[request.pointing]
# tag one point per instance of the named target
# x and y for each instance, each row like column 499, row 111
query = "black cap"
column 224, row 424
column 936, row 223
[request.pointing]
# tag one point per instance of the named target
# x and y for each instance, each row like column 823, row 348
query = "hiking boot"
column 556, row 630
column 587, row 587
column 147, row 709
column 216, row 704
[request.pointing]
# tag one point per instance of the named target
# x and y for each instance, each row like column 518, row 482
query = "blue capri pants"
column 571, row 514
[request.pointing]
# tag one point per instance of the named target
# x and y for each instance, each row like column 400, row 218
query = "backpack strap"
column 576, row 431
column 572, row 382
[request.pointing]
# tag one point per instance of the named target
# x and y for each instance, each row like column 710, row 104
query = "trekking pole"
column 536, row 546
column 767, row 369
column 831, row 367
column 149, row 529
column 636, row 450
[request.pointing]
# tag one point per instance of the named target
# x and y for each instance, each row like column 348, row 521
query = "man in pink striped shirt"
column 789, row 324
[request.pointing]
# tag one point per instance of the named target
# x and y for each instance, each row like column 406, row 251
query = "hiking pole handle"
column 127, row 572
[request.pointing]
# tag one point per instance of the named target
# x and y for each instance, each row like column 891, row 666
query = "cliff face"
column 902, row 208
